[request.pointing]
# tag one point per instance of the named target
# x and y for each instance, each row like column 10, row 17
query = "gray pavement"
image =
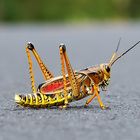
column 87, row 45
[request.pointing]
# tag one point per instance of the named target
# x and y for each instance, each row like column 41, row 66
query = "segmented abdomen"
column 41, row 100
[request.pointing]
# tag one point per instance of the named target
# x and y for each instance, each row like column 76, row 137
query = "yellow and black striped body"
column 42, row 100
column 45, row 100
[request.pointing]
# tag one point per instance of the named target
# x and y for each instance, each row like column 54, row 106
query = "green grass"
column 67, row 10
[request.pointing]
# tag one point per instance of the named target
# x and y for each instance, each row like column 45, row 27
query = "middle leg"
column 96, row 88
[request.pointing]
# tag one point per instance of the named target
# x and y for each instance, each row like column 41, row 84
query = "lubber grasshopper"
column 71, row 86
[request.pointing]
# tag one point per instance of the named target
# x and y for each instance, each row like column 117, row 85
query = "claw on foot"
column 86, row 105
column 103, row 107
column 63, row 106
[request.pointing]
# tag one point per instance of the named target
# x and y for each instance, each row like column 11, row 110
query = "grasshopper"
column 71, row 86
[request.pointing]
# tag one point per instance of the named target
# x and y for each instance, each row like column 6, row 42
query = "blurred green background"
column 68, row 10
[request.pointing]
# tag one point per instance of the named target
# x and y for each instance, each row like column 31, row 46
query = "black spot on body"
column 34, row 99
column 29, row 98
column 23, row 97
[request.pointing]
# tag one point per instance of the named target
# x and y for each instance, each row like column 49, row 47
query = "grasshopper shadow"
column 73, row 107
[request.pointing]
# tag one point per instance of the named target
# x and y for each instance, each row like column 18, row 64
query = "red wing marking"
column 53, row 86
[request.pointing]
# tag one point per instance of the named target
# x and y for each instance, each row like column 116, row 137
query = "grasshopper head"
column 106, row 70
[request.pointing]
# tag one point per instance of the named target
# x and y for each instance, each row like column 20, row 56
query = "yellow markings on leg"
column 64, row 76
column 72, row 77
column 31, row 71
column 46, row 73
column 71, row 74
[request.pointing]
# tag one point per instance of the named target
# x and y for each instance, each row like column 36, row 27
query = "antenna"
column 114, row 54
column 125, row 52
column 118, row 45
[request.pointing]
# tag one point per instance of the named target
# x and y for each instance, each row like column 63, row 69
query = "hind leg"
column 46, row 73
column 71, row 75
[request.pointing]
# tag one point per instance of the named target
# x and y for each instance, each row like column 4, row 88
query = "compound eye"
column 107, row 69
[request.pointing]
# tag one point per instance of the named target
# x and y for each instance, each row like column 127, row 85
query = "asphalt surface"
column 87, row 45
